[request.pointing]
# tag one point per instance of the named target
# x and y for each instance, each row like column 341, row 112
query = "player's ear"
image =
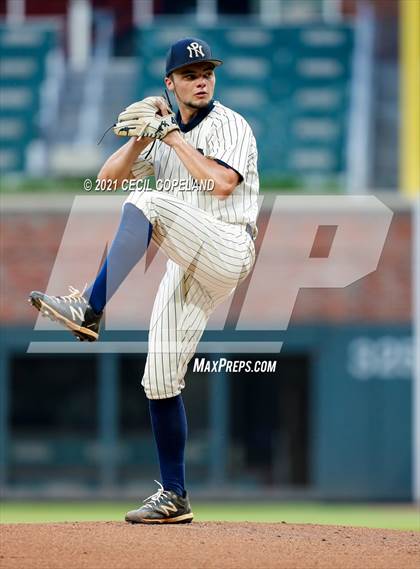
column 169, row 82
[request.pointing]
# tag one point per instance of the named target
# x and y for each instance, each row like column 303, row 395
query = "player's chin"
column 200, row 102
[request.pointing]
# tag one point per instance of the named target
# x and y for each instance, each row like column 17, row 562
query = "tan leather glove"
column 144, row 119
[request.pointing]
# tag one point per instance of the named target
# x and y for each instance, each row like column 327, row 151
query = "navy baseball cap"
column 187, row 51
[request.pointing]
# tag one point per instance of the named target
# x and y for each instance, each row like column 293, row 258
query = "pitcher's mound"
column 218, row 545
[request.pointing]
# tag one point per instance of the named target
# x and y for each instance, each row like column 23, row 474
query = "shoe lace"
column 74, row 296
column 154, row 498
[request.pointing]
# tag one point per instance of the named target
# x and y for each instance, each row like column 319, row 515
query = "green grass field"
column 403, row 517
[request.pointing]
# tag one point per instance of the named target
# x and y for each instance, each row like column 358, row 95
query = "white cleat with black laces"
column 72, row 311
column 164, row 507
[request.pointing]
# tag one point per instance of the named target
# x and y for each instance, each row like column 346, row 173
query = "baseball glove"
column 143, row 119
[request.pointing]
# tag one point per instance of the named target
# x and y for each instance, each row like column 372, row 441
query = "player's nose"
column 201, row 81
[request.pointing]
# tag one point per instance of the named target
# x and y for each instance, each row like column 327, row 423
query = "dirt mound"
column 218, row 545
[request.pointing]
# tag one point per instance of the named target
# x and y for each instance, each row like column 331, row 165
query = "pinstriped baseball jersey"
column 208, row 258
column 223, row 135
column 210, row 251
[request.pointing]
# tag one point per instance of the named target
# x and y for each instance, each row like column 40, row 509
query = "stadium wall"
column 348, row 351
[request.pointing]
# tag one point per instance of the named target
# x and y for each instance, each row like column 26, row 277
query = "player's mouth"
column 201, row 94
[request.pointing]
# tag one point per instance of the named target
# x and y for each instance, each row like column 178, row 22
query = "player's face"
column 193, row 85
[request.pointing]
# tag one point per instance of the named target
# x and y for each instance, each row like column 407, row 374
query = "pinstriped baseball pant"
column 208, row 258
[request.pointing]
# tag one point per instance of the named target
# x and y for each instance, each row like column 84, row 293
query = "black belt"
column 248, row 229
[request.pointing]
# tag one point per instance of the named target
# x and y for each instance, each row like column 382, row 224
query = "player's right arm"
column 119, row 165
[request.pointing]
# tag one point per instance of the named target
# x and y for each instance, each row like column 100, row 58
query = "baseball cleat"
column 72, row 311
column 164, row 507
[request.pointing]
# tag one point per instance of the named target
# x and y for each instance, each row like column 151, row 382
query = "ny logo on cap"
column 196, row 48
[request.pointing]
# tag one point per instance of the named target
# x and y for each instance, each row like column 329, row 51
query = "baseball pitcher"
column 202, row 214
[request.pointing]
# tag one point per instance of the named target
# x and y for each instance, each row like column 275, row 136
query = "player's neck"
column 187, row 113
column 189, row 117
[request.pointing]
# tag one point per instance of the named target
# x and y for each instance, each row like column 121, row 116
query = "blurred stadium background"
column 337, row 420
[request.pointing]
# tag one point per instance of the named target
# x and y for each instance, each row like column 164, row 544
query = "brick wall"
column 30, row 241
column 382, row 296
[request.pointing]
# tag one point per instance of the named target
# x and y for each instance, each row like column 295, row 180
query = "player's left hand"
column 149, row 118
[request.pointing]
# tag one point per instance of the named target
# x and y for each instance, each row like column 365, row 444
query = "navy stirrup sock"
column 169, row 424
column 128, row 247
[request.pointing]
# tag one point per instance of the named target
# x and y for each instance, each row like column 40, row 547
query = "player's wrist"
column 173, row 139
column 141, row 141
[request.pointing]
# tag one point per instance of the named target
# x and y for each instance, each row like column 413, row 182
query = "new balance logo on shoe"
column 168, row 508
column 77, row 313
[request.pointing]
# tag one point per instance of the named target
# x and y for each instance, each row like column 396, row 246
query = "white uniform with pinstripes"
column 205, row 238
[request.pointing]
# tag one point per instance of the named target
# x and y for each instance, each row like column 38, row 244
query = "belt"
column 249, row 230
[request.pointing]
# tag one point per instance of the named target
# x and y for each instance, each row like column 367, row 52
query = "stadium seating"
column 290, row 82
column 23, row 60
